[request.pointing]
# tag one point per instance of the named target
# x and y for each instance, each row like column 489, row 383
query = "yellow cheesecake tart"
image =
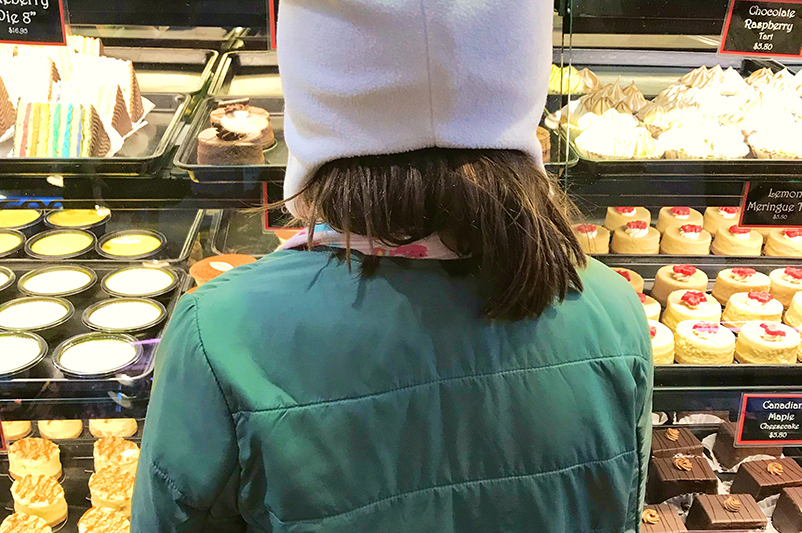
column 116, row 451
column 113, row 427
column 112, row 487
column 40, row 496
column 34, row 456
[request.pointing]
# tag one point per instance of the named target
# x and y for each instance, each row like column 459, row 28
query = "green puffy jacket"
column 291, row 396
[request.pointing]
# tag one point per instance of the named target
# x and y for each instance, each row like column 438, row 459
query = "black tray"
column 144, row 153
column 275, row 157
column 46, row 382
column 169, row 70
column 239, row 231
column 180, row 226
column 247, row 72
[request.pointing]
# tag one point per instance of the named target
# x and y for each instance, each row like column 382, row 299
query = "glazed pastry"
column 784, row 243
column 793, row 317
column 745, row 306
column 103, row 520
column 636, row 238
column 662, row 343
column 116, row 451
column 767, row 343
column 689, row 239
column 40, row 496
column 650, row 306
column 672, row 278
column 592, row 238
column 113, row 427
column 24, row 523
column 16, row 429
column 34, row 456
column 677, row 216
column 720, row 217
column 632, row 277
column 703, row 343
column 736, row 240
column 785, row 283
column 61, row 429
column 112, row 487
column 619, row 216
column 732, row 280
column 690, row 305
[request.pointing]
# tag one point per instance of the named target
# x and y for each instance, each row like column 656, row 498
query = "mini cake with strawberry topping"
column 793, row 317
column 690, row 305
column 672, row 278
column 636, row 237
column 592, row 238
column 736, row 240
column 733, row 280
column 784, row 243
column 677, row 216
column 743, row 307
column 632, row 277
column 688, row 239
column 619, row 216
column 720, row 217
column 767, row 343
column 701, row 342
column 785, row 283
column 662, row 343
column 650, row 306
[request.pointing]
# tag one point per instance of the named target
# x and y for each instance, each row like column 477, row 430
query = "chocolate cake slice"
column 720, row 512
column 788, row 513
column 663, row 518
column 761, row 479
column 679, row 475
column 728, row 455
column 672, row 441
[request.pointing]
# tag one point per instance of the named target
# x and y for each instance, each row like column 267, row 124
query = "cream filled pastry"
column 40, row 496
column 733, row 280
column 632, row 277
column 636, row 237
column 103, row 520
column 736, row 240
column 785, row 283
column 116, row 451
column 689, row 239
column 784, row 243
column 677, row 216
column 592, row 238
column 700, row 342
column 690, row 305
column 720, row 217
column 34, row 456
column 112, row 487
column 113, row 427
column 767, row 343
column 746, row 306
column 16, row 429
column 662, row 343
column 672, row 278
column 61, row 429
column 650, row 306
column 619, row 216
column 24, row 523
column 793, row 317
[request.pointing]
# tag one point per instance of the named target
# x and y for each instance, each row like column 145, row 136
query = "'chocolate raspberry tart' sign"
column 763, row 28
column 33, row 22
column 770, row 419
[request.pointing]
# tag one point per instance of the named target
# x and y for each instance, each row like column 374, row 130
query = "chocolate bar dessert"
column 669, row 477
column 787, row 516
column 728, row 455
column 672, row 441
column 761, row 479
column 663, row 518
column 725, row 512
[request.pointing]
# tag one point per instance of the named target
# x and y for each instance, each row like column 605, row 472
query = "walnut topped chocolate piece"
column 663, row 518
column 764, row 478
column 672, row 441
column 669, row 477
column 723, row 512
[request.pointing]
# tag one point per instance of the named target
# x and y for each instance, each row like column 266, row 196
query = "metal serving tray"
column 179, row 226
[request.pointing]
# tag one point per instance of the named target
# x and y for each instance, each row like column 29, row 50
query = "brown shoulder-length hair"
column 496, row 206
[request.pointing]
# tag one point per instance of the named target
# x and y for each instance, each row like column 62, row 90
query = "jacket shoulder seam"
column 309, row 405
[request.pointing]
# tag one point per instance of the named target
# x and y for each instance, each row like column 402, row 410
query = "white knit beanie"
column 374, row 77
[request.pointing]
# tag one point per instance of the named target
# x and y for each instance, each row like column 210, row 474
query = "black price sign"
column 774, row 419
column 763, row 28
column 772, row 203
column 32, row 22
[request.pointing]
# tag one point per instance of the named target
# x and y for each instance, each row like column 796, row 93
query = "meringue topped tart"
column 34, row 313
column 672, row 278
column 96, row 354
column 690, row 305
column 40, row 496
column 662, row 343
column 619, row 216
column 16, row 429
column 112, row 487
column 740, row 279
column 767, row 343
column 636, row 237
column 34, row 456
column 632, row 277
column 592, row 238
column 20, row 351
column 746, row 306
column 737, row 240
column 113, row 427
column 56, row 281
column 116, row 451
column 701, row 342
column 784, row 243
column 688, row 239
column 718, row 217
column 61, row 429
column 139, row 282
column 103, row 520
column 24, row 523
column 677, row 216
column 650, row 306
column 785, row 283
